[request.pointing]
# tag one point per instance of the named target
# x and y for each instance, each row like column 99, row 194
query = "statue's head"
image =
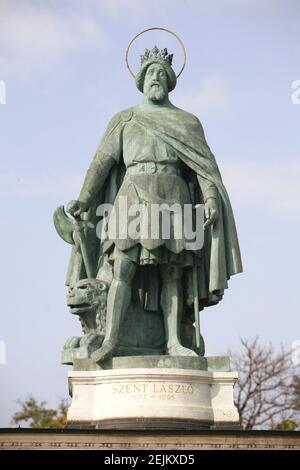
column 156, row 78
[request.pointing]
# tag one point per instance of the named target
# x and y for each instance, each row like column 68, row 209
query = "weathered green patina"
column 152, row 153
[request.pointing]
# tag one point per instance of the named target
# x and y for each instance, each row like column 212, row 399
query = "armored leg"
column 172, row 305
column 118, row 301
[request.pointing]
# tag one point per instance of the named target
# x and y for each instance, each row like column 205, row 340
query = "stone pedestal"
column 154, row 392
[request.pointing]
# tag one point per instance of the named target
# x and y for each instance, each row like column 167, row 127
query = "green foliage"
column 37, row 415
column 287, row 425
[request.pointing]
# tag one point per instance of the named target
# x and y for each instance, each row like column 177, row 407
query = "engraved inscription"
column 163, row 391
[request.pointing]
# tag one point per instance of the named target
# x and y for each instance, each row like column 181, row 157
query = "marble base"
column 152, row 398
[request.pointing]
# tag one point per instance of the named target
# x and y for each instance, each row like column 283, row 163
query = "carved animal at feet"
column 88, row 299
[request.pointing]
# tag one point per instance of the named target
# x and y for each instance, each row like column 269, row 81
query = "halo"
column 159, row 29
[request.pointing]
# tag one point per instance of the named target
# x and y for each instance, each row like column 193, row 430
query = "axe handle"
column 85, row 256
column 84, row 252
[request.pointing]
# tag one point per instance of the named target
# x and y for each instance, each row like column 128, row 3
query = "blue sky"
column 65, row 75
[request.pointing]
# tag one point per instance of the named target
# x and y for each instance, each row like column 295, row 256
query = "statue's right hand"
column 75, row 208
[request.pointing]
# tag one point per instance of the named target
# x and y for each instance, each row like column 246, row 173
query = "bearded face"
column 156, row 83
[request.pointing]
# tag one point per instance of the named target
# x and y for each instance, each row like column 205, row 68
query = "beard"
column 156, row 93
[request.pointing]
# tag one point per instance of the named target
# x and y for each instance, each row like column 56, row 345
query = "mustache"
column 155, row 82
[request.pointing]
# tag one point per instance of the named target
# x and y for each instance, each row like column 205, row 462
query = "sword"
column 195, row 286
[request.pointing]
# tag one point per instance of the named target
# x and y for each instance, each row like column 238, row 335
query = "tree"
column 37, row 415
column 265, row 391
column 296, row 392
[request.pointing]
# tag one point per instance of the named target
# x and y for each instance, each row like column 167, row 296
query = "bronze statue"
column 153, row 154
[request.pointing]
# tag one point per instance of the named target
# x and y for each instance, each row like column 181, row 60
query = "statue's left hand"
column 211, row 209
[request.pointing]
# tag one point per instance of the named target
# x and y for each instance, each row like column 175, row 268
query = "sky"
column 62, row 65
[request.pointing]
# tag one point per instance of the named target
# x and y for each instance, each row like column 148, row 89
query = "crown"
column 157, row 55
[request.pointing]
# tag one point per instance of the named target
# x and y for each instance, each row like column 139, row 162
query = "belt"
column 153, row 167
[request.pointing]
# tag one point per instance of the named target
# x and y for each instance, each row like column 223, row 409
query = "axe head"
column 64, row 225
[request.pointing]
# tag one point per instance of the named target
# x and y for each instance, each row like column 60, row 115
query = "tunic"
column 154, row 183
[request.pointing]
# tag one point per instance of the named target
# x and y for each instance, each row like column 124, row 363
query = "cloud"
column 40, row 186
column 131, row 8
column 270, row 185
column 38, row 34
column 212, row 100
column 245, row 4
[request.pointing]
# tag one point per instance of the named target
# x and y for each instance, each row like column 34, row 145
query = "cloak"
column 220, row 253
